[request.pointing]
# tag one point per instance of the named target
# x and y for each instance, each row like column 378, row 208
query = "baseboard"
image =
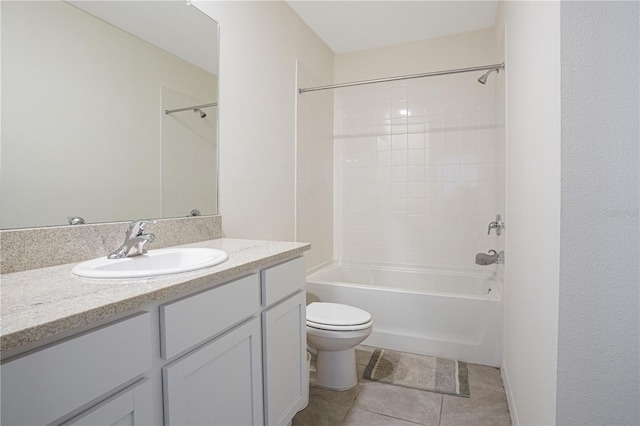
column 507, row 389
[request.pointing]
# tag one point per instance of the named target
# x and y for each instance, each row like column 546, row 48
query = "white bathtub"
column 449, row 313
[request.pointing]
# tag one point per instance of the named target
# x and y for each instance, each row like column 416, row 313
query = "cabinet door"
column 218, row 384
column 131, row 407
column 285, row 343
column 45, row 385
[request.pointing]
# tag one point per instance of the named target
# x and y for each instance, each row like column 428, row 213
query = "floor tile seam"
column 334, row 402
column 349, row 410
column 490, row 409
column 422, row 391
column 350, row 404
column 388, row 416
column 440, row 413
column 480, row 381
column 337, row 403
column 353, row 401
column 485, row 388
column 346, row 413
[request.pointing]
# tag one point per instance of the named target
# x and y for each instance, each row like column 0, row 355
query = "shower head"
column 483, row 78
column 199, row 111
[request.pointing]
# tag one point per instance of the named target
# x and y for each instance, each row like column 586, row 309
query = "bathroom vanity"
column 218, row 346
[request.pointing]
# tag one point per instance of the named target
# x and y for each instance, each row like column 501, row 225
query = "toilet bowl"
column 334, row 330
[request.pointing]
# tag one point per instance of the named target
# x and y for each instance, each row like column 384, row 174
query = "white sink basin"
column 153, row 263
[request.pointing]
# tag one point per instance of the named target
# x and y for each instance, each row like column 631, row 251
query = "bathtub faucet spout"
column 489, row 259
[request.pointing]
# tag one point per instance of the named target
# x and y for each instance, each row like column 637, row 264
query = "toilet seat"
column 339, row 327
column 337, row 317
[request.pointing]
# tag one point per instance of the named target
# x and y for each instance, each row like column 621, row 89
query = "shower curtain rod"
column 403, row 77
column 169, row 111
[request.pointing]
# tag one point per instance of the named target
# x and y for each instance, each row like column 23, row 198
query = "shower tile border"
column 32, row 248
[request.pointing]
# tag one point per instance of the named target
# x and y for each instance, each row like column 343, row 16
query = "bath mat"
column 418, row 372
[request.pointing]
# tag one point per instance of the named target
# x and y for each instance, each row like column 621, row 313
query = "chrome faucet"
column 134, row 238
column 485, row 259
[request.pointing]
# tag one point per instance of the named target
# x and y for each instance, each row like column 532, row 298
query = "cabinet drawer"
column 282, row 280
column 45, row 385
column 190, row 321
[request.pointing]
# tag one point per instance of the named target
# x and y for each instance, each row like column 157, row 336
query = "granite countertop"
column 40, row 303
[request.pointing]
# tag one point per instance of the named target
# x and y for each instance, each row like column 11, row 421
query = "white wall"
column 532, row 43
column 259, row 45
column 572, row 281
column 314, row 171
column 456, row 51
column 598, row 341
column 67, row 78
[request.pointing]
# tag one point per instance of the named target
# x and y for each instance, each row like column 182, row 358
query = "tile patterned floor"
column 371, row 403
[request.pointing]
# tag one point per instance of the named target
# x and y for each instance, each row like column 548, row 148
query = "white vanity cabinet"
column 232, row 354
column 285, row 341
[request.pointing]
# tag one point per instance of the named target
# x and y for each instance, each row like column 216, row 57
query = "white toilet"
column 335, row 330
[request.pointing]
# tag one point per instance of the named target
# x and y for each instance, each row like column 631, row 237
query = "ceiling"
column 181, row 30
column 347, row 26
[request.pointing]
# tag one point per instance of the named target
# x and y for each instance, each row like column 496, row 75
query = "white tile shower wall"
column 416, row 171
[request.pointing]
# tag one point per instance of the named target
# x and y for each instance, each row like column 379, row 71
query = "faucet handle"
column 498, row 225
column 136, row 228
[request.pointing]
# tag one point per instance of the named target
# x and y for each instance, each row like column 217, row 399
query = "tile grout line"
column 390, row 417
column 351, row 405
column 441, row 408
column 353, row 401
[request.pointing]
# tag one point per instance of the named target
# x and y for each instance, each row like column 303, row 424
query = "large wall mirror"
column 85, row 90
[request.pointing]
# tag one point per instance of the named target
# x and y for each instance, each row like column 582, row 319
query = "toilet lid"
column 336, row 314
